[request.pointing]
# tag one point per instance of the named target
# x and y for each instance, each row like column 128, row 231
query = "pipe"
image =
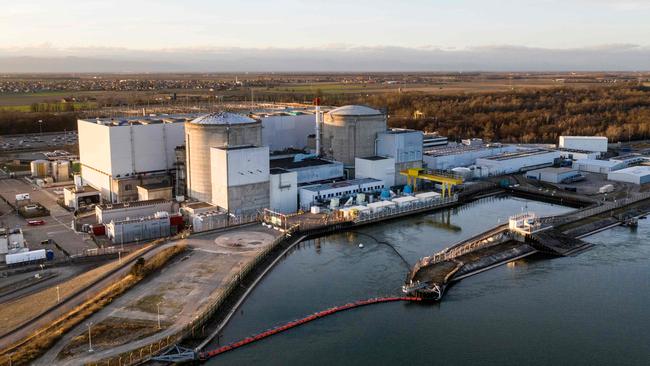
column 318, row 117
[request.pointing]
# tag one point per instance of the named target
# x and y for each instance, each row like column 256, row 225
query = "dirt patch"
column 148, row 304
column 110, row 333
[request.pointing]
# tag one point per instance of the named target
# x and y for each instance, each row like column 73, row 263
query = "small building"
column 380, row 206
column 597, row 166
column 352, row 212
column 310, row 169
column 525, row 223
column 588, row 143
column 377, row 167
column 635, row 175
column 575, row 154
column 11, row 242
column 108, row 212
column 134, row 230
column 81, row 197
column 519, row 161
column 148, row 192
column 553, row 175
column 311, row 195
column 430, row 140
column 283, row 193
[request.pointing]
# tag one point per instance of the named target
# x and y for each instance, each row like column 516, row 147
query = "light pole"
column 40, row 125
column 158, row 311
column 90, row 341
column 58, row 295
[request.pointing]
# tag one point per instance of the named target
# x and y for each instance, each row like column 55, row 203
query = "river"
column 589, row 309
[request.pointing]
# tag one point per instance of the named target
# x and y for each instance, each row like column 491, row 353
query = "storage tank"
column 350, row 131
column 61, row 170
column 214, row 130
column 39, row 168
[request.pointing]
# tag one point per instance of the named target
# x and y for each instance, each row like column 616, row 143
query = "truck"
column 33, row 256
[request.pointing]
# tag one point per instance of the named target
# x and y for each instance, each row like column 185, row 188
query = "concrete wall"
column 319, row 173
column 240, row 171
column 383, row 170
column 282, row 132
column 401, row 146
column 284, row 192
column 153, row 194
column 198, row 141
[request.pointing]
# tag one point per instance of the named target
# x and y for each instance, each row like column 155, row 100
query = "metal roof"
column 223, row 118
column 355, row 110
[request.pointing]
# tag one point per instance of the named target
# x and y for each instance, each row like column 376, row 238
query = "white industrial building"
column 117, row 155
column 310, row 195
column 574, row 154
column 377, row 167
column 134, row 230
column 240, row 178
column 518, row 161
column 553, row 175
column 598, row 166
column 283, row 187
column 635, row 175
column 310, row 169
column 587, row 143
column 432, row 140
column 462, row 155
column 404, row 146
column 630, row 159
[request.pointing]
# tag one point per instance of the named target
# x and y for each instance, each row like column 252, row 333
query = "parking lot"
column 57, row 226
column 43, row 141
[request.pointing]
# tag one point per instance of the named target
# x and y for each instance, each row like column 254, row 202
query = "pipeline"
column 202, row 356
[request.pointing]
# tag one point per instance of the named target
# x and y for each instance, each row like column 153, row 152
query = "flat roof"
column 278, row 171
column 115, row 206
column 604, row 163
column 342, row 184
column 395, row 131
column 142, row 120
column 288, row 163
column 576, row 150
column 517, row 154
column 154, row 186
column 200, row 204
column 639, row 171
column 585, row 137
column 237, row 147
column 374, row 158
column 553, row 170
column 455, row 150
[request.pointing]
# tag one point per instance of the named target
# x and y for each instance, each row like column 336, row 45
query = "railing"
column 397, row 210
column 197, row 325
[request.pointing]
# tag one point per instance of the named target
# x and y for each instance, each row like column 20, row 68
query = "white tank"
column 61, row 170
column 214, row 130
column 350, row 132
column 39, row 168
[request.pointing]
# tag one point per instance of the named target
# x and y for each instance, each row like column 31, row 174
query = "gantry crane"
column 446, row 179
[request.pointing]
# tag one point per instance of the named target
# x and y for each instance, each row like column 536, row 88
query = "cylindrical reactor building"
column 214, row 130
column 350, row 131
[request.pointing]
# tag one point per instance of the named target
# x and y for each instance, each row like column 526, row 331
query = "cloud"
column 333, row 57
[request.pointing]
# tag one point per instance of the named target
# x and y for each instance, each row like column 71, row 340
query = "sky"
column 128, row 30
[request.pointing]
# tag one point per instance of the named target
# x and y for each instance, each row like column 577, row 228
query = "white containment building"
column 350, row 131
column 214, row 130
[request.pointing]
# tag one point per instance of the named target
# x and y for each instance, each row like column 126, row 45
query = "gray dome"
column 355, row 110
column 223, row 118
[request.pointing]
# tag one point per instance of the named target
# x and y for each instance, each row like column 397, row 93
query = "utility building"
column 240, row 178
column 405, row 147
column 587, row 143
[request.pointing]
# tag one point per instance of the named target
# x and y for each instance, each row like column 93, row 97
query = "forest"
column 525, row 116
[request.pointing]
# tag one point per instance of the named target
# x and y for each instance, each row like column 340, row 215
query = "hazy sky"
column 446, row 24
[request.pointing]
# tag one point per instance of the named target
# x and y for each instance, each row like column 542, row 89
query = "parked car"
column 36, row 222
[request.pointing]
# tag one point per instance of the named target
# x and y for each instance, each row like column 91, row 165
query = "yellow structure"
column 447, row 180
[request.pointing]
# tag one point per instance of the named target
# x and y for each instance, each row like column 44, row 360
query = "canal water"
column 590, row 309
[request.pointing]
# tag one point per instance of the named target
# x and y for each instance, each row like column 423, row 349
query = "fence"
column 408, row 208
column 197, row 326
